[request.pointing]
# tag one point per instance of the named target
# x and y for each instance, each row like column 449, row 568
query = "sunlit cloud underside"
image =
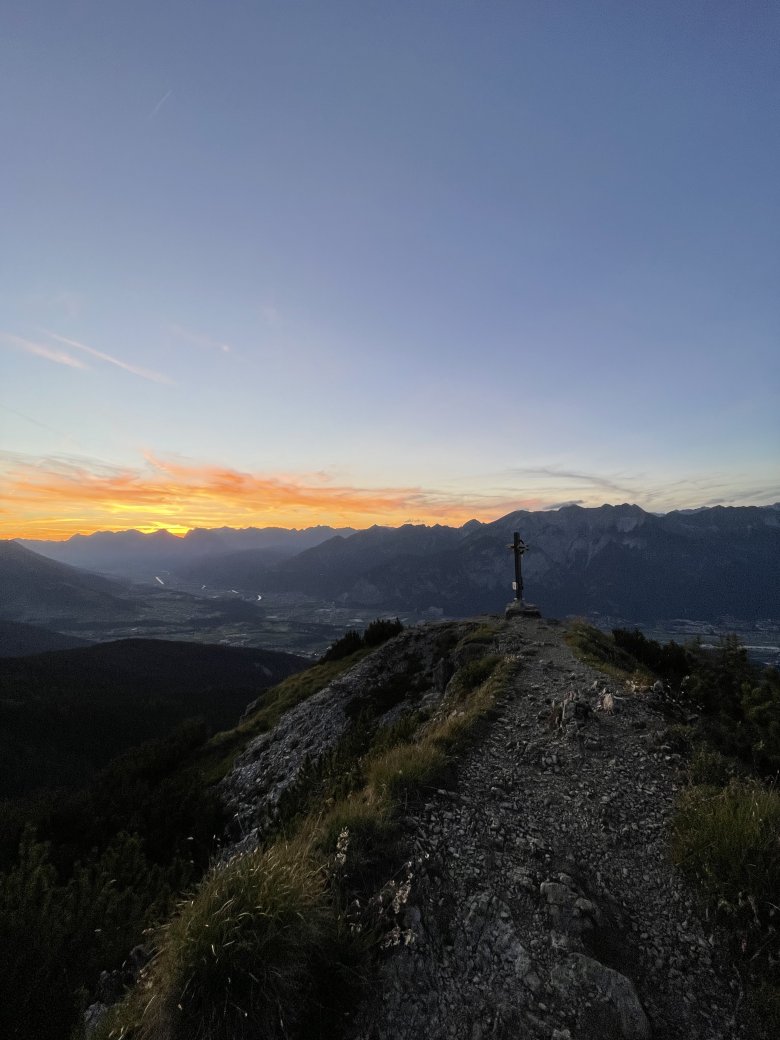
column 56, row 498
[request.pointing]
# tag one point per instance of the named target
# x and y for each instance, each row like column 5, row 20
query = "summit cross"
column 518, row 546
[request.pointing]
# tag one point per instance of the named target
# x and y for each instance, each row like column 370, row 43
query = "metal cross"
column 518, row 547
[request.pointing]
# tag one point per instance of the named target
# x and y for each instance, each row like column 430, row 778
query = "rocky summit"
column 539, row 899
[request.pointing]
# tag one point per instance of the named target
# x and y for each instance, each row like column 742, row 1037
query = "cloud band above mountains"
column 60, row 496
column 57, row 496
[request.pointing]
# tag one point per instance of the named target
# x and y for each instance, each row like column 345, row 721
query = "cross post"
column 518, row 547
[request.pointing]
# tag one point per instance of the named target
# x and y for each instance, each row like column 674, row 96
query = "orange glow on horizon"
column 55, row 499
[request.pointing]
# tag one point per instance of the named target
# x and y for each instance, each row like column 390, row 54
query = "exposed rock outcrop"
column 407, row 674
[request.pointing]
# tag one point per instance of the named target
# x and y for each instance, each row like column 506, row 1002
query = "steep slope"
column 18, row 639
column 66, row 713
column 33, row 588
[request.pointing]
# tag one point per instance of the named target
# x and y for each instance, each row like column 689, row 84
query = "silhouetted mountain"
column 622, row 561
column 614, row 560
column 245, row 569
column 65, row 714
column 33, row 588
column 18, row 639
column 141, row 556
column 327, row 569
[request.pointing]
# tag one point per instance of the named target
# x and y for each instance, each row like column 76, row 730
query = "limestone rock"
column 618, row 1010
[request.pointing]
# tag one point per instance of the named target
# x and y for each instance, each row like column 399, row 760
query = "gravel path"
column 543, row 902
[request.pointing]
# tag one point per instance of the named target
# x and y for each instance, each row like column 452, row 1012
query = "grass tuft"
column 475, row 673
column 237, row 960
column 727, row 840
column 600, row 651
column 366, row 820
column 484, row 633
column 399, row 771
column 469, row 701
column 709, row 767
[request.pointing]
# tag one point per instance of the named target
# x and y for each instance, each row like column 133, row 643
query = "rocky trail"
column 543, row 903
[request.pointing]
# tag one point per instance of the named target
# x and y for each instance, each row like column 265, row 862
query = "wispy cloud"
column 595, row 480
column 143, row 373
column 63, row 357
column 60, row 495
column 59, row 357
column 749, row 496
column 199, row 340
column 86, row 495
column 555, row 487
column 159, row 104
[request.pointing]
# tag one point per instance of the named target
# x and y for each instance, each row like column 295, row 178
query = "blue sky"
column 281, row 262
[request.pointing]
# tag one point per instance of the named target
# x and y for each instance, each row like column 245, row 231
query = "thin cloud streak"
column 143, row 373
column 594, row 479
column 159, row 104
column 559, row 487
column 59, row 357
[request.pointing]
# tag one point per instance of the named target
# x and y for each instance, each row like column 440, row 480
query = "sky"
column 356, row 262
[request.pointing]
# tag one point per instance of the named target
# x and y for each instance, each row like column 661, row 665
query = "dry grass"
column 485, row 632
column 237, row 960
column 395, row 773
column 729, row 841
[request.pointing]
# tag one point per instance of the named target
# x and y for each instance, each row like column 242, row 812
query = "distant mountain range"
column 131, row 554
column 616, row 561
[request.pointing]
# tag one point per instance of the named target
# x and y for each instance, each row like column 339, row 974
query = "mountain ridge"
column 133, row 554
column 614, row 560
column 530, row 893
